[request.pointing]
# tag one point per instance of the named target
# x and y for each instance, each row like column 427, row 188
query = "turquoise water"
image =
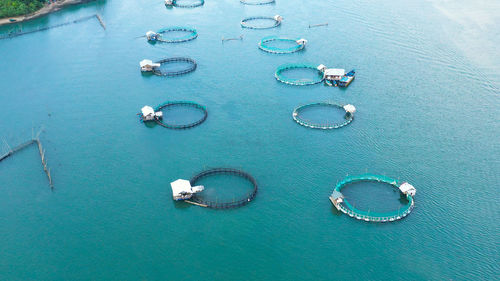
column 427, row 97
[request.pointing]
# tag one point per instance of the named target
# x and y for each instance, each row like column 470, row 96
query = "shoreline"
column 45, row 10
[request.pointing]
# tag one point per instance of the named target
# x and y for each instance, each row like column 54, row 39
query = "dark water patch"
column 224, row 188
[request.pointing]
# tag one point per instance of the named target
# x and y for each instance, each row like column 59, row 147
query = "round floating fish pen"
column 162, row 35
column 171, row 104
column 237, row 202
column 349, row 115
column 184, row 3
column 191, row 66
column 246, row 2
column 266, row 45
column 318, row 74
column 343, row 205
column 273, row 22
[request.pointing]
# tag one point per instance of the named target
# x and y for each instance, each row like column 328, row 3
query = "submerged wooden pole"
column 101, row 21
column 230, row 39
column 316, row 25
column 197, row 204
column 44, row 163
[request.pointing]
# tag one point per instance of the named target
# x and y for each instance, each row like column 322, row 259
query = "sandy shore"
column 47, row 9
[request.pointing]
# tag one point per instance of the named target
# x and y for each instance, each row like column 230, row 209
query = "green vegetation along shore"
column 11, row 8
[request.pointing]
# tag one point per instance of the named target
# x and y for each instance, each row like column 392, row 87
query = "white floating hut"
column 182, row 189
column 321, row 67
column 149, row 114
column 151, row 36
column 336, row 199
column 407, row 188
column 148, row 65
column 334, row 74
column 349, row 108
column 301, row 41
column 278, row 18
column 169, row 2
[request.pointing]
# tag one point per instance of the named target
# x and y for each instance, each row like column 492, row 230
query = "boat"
column 12, row 20
column 347, row 79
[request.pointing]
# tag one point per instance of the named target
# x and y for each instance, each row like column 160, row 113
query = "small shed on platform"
column 149, row 114
column 151, row 36
column 148, row 65
column 334, row 74
column 336, row 198
column 349, row 108
column 407, row 188
column 182, row 189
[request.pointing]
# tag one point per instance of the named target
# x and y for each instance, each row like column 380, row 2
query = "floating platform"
column 343, row 205
column 347, row 79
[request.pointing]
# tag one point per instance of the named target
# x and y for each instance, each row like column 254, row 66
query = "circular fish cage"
column 186, row 104
column 351, row 211
column 191, row 34
column 243, row 200
column 349, row 116
column 247, row 22
column 298, row 44
column 298, row 82
column 257, row 2
column 190, row 68
column 184, row 3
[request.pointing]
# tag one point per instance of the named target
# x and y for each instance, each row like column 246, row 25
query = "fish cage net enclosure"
column 175, row 66
column 281, row 45
column 227, row 202
column 188, row 111
column 325, row 110
column 184, row 3
column 346, row 207
column 260, row 22
column 307, row 74
column 265, row 2
column 177, row 34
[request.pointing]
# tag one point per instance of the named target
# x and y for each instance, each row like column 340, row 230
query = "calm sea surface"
column 427, row 95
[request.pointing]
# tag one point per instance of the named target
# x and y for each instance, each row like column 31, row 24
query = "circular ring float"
column 298, row 82
column 191, row 66
column 224, row 205
column 344, row 206
column 349, row 110
column 182, row 103
column 177, row 3
column 191, row 36
column 276, row 22
column 257, row 3
column 299, row 45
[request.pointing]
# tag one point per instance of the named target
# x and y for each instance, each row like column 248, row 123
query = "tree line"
column 11, row 8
